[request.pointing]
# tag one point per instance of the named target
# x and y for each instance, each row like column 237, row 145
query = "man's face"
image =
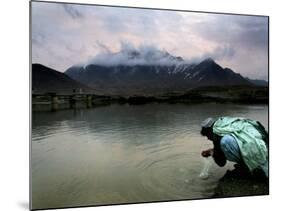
column 207, row 132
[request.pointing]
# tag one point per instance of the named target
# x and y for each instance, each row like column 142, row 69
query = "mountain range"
column 139, row 76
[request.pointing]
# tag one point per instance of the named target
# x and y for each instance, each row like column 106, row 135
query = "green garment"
column 250, row 137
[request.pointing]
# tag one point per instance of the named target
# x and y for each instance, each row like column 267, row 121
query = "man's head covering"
column 207, row 123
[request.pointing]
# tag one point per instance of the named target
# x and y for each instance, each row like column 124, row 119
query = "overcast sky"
column 68, row 34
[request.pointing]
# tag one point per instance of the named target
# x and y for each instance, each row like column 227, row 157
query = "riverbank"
column 241, row 95
column 232, row 184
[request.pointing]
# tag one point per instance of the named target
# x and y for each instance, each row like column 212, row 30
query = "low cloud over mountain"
column 129, row 55
column 148, row 70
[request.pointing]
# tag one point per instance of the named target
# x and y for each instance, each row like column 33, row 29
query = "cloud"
column 72, row 11
column 225, row 52
column 241, row 31
column 130, row 55
column 67, row 34
column 38, row 39
column 103, row 47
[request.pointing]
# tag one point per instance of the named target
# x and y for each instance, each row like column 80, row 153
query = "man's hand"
column 207, row 153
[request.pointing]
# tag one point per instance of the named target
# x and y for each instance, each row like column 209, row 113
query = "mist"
column 131, row 55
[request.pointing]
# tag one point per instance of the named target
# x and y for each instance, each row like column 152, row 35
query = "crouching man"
column 239, row 140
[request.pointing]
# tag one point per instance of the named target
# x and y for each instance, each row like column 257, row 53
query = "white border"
column 14, row 48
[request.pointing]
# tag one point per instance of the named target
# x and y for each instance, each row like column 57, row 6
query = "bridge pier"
column 54, row 102
column 89, row 101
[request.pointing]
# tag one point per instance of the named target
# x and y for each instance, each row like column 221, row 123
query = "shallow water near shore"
column 125, row 153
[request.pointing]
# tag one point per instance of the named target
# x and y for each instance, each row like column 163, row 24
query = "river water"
column 125, row 153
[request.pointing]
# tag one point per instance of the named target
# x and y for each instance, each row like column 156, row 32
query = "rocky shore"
column 233, row 184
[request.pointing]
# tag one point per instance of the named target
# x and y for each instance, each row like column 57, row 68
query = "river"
column 125, row 153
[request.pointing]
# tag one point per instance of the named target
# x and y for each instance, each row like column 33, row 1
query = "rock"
column 232, row 185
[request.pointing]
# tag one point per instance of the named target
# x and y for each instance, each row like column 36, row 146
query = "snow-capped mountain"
column 135, row 72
